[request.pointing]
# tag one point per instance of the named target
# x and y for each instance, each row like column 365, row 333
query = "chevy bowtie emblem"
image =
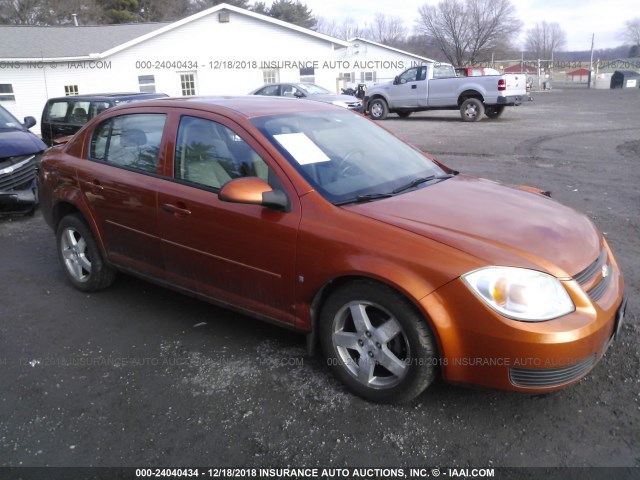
column 605, row 271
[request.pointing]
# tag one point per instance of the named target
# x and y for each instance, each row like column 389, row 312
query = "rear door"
column 240, row 255
column 120, row 182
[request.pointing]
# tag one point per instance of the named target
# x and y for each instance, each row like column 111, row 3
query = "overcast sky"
column 579, row 18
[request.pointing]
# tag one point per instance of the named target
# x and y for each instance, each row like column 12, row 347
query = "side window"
column 270, row 90
column 97, row 108
column 409, row 76
column 443, row 71
column 80, row 113
column 210, row 154
column 56, row 111
column 131, row 141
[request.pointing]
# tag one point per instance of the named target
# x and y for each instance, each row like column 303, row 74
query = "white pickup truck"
column 434, row 86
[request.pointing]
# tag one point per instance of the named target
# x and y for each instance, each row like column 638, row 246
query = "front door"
column 240, row 255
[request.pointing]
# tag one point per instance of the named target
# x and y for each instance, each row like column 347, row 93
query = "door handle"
column 180, row 210
column 94, row 186
column 414, row 86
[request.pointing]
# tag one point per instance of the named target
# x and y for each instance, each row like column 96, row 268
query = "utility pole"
column 593, row 35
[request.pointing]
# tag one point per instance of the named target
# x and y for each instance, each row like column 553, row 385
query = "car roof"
column 248, row 106
column 111, row 96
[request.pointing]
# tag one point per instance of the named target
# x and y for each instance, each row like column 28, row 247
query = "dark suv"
column 20, row 152
column 64, row 116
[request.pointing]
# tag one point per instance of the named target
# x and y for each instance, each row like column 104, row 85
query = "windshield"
column 312, row 89
column 8, row 121
column 346, row 157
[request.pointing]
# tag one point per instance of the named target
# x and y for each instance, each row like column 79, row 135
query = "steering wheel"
column 345, row 166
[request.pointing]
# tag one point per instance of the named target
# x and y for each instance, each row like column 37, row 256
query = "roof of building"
column 28, row 43
column 578, row 73
column 21, row 41
column 397, row 50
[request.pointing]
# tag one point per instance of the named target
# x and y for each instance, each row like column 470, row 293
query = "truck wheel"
column 377, row 343
column 495, row 111
column 80, row 256
column 404, row 114
column 471, row 110
column 378, row 109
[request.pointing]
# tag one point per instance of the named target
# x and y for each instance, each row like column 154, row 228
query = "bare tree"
column 349, row 28
column 22, row 12
column 631, row 31
column 544, row 39
column 387, row 29
column 466, row 29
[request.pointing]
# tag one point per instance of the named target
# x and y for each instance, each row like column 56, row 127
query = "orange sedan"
column 317, row 219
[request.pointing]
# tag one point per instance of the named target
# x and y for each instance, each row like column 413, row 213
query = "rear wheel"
column 471, row 110
column 378, row 109
column 377, row 343
column 495, row 111
column 80, row 256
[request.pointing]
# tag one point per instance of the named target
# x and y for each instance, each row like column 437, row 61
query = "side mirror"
column 29, row 122
column 298, row 94
column 396, row 80
column 253, row 191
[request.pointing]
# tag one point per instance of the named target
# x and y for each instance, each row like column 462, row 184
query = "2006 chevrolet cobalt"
column 315, row 218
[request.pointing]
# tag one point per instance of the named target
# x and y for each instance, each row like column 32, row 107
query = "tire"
column 80, row 256
column 365, row 320
column 378, row 109
column 404, row 114
column 495, row 111
column 471, row 110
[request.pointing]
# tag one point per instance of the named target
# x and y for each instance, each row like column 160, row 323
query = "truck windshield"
column 344, row 156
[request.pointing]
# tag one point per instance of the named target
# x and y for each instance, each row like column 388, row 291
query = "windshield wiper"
column 417, row 181
column 365, row 198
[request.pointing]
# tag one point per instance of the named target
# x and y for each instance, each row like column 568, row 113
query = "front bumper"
column 19, row 201
column 480, row 347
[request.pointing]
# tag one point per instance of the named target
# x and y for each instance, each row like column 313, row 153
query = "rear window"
column 56, row 111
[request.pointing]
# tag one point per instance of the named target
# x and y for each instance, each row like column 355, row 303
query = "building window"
column 347, row 77
column 270, row 76
column 188, row 84
column 6, row 92
column 70, row 90
column 147, row 83
column 307, row 75
column 367, row 76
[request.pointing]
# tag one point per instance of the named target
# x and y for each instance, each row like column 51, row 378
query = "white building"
column 223, row 50
column 219, row 51
column 369, row 62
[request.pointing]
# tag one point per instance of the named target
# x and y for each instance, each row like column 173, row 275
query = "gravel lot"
column 140, row 376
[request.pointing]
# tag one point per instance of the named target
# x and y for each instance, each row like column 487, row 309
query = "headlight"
column 519, row 293
column 340, row 103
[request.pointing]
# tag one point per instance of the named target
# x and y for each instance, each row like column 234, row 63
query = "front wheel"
column 471, row 110
column 495, row 111
column 80, row 256
column 377, row 343
column 378, row 109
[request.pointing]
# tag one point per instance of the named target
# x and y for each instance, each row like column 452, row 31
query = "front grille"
column 550, row 377
column 586, row 276
column 17, row 173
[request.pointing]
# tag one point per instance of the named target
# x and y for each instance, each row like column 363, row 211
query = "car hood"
column 17, row 142
column 498, row 224
column 333, row 97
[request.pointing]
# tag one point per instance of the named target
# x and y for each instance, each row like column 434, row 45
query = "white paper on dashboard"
column 302, row 148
